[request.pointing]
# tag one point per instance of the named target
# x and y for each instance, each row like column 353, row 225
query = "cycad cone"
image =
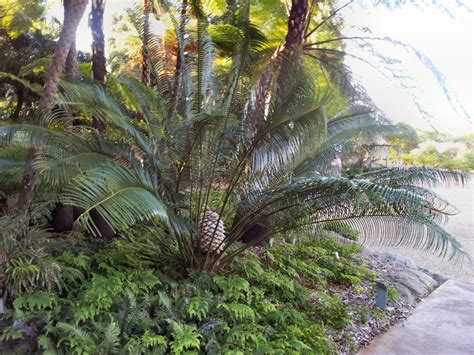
column 206, row 230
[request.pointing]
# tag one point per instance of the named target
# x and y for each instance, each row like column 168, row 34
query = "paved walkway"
column 443, row 324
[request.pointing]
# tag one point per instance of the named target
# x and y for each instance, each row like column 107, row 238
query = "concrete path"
column 442, row 324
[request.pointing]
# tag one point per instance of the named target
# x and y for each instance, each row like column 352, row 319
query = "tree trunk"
column 180, row 61
column 146, row 60
column 99, row 71
column 20, row 96
column 62, row 216
column 71, row 61
column 298, row 22
column 275, row 75
column 73, row 11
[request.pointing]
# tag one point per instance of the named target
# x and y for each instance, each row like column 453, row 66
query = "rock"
column 28, row 330
column 401, row 261
column 412, row 284
column 405, row 294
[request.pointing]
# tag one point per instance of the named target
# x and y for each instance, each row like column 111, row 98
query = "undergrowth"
column 124, row 298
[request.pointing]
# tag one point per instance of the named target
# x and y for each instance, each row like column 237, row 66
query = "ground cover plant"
column 125, row 298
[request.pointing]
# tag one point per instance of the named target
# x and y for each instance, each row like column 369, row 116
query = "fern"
column 245, row 336
column 36, row 301
column 239, row 311
column 198, row 307
column 110, row 337
column 154, row 341
column 46, row 345
column 185, row 337
column 235, row 288
column 10, row 333
column 76, row 338
column 288, row 316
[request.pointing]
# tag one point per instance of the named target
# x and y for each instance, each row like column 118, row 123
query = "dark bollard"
column 382, row 295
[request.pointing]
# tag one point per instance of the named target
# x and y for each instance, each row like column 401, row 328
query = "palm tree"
column 99, row 71
column 193, row 173
column 146, row 60
column 96, row 23
column 298, row 22
column 73, row 11
column 71, row 61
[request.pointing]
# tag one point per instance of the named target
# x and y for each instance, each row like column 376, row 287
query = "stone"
column 405, row 294
column 399, row 260
column 412, row 281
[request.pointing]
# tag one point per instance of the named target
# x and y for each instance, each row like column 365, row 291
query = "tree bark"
column 71, row 61
column 62, row 217
column 99, row 70
column 96, row 19
column 146, row 60
column 180, row 61
column 73, row 11
column 298, row 22
column 20, row 96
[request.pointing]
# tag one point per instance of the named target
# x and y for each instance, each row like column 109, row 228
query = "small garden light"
column 382, row 295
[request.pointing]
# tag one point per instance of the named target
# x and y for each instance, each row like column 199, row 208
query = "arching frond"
column 121, row 198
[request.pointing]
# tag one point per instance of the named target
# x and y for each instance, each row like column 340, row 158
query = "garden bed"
column 313, row 295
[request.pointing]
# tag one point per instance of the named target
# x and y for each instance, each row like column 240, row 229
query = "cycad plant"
column 212, row 171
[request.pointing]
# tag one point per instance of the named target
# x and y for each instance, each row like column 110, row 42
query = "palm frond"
column 402, row 176
column 119, row 196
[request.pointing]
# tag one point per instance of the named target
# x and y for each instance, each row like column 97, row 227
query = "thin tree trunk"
column 73, row 11
column 298, row 22
column 231, row 13
column 71, row 61
column 62, row 217
column 146, row 60
column 20, row 99
column 99, row 70
column 20, row 96
column 180, row 61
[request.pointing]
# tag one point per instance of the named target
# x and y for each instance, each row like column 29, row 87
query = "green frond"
column 185, row 337
column 117, row 195
column 403, row 176
column 8, row 77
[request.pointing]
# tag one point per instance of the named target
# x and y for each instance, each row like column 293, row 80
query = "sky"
column 447, row 39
